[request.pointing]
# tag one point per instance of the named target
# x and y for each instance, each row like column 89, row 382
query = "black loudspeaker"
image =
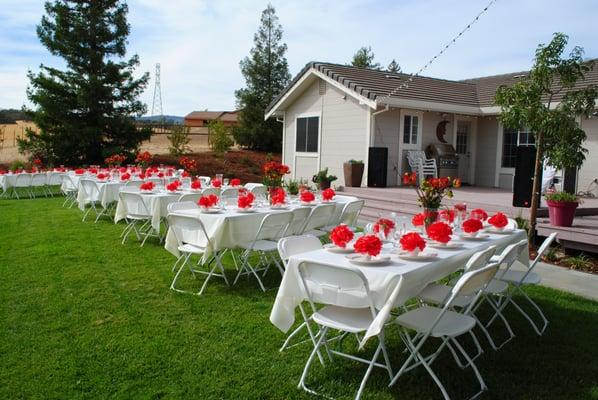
column 524, row 176
column 570, row 180
column 377, row 166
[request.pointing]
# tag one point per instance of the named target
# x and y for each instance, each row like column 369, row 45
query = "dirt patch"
column 578, row 261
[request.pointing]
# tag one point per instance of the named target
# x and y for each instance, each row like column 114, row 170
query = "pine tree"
column 364, row 58
column 266, row 74
column 394, row 67
column 85, row 112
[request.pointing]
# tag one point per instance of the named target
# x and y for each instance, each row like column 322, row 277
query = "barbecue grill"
column 446, row 158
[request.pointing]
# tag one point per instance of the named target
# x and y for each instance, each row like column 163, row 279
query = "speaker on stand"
column 524, row 176
column 377, row 166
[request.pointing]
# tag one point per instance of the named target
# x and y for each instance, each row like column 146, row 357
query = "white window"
column 526, row 138
column 410, row 128
column 307, row 134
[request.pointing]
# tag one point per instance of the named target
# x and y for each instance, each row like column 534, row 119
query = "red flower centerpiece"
column 328, row 194
column 447, row 216
column 384, row 226
column 418, row 219
column 274, row 173
column 439, row 232
column 173, row 186
column 196, row 185
column 102, row 176
column 430, row 193
column 188, row 164
column 412, row 243
column 125, row 177
column 143, row 158
column 369, row 245
column 245, row 200
column 185, row 174
column 235, row 182
column 479, row 213
column 216, row 183
column 147, row 186
column 341, row 235
column 277, row 197
column 498, row 221
column 472, row 226
column 307, row 197
column 207, row 202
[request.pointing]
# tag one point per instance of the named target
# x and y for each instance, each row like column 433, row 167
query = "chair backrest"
column 68, row 185
column 23, row 180
column 300, row 216
column 346, row 285
column 542, row 249
column 472, row 283
column 251, row 185
column 134, row 204
column 39, row 179
column 319, row 217
column 293, row 245
column 351, row 212
column 229, row 192
column 193, row 197
column 415, row 157
column 188, row 229
column 509, row 255
column 181, row 205
column 156, row 180
column 55, row 178
column 512, row 224
column 209, row 191
column 133, row 183
column 480, row 259
column 258, row 189
column 205, row 180
column 274, row 226
column 90, row 188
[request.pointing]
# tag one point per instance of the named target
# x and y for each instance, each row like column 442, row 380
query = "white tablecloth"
column 7, row 181
column 391, row 285
column 108, row 193
column 156, row 204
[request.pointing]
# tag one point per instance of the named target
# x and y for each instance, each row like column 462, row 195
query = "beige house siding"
column 386, row 134
column 589, row 170
column 343, row 131
column 487, row 152
column 431, row 120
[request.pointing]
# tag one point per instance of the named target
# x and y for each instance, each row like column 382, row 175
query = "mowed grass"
column 82, row 316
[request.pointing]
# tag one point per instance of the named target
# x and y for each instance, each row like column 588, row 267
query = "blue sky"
column 199, row 42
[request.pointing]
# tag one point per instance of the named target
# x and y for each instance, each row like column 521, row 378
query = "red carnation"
column 328, row 194
column 216, row 183
column 479, row 213
column 368, row 244
column 411, row 241
column 245, row 200
column 196, row 185
column 384, row 225
column 307, row 197
column 277, row 196
column 418, row 219
column 472, row 225
column 447, row 215
column 498, row 220
column 208, row 201
column 147, row 186
column 235, row 182
column 341, row 235
column 440, row 232
column 125, row 177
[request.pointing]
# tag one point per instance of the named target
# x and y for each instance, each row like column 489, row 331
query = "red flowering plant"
column 173, row 186
column 277, row 197
column 208, row 201
column 498, row 220
column 432, row 191
column 472, row 226
column 306, row 196
column 480, row 214
column 274, row 173
column 370, row 245
column 189, row 164
column 143, row 159
column 439, row 232
column 245, row 200
column 384, row 226
column 125, row 177
column 341, row 235
column 328, row 194
column 412, row 242
column 115, row 160
column 196, row 185
column 235, row 182
column 216, row 183
column 147, row 186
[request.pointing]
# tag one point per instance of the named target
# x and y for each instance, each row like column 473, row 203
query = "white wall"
column 431, row 120
column 386, row 134
column 487, row 151
column 589, row 170
column 343, row 134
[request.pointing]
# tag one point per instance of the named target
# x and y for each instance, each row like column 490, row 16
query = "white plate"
column 328, row 201
column 210, row 210
column 423, row 256
column 359, row 259
column 335, row 249
column 445, row 246
column 492, row 229
column 479, row 236
column 285, row 207
column 246, row 210
column 310, row 204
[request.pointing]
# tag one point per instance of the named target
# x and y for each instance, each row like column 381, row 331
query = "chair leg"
column 301, row 384
column 545, row 321
column 498, row 313
column 470, row 362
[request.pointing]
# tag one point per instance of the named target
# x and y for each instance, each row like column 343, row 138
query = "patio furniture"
column 318, row 219
column 422, row 166
column 136, row 212
column 349, row 215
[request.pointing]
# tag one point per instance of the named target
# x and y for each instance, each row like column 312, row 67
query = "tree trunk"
column 536, row 187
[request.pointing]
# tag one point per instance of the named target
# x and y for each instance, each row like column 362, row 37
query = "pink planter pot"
column 561, row 213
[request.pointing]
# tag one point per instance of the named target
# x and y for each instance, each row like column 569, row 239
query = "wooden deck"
column 583, row 235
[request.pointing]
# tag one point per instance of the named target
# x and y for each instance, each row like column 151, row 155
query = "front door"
column 463, row 139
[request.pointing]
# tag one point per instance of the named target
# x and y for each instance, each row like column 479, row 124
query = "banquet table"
column 107, row 194
column 156, row 203
column 392, row 284
column 227, row 229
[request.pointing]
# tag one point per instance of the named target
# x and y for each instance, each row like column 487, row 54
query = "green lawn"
column 83, row 316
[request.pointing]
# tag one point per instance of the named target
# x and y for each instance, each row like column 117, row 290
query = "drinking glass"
column 219, row 177
column 225, row 181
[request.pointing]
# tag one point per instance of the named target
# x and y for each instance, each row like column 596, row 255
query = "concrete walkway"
column 576, row 282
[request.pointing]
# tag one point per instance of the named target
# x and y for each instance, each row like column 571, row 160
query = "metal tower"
column 157, row 102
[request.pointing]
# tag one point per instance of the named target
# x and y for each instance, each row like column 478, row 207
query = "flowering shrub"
column 411, row 241
column 384, row 225
column 196, row 185
column 479, row 213
column 341, row 235
column 472, row 225
column 245, row 200
column 306, row 196
column 440, row 232
column 277, row 196
column 235, row 182
column 147, row 186
column 115, row 160
column 273, row 173
column 328, row 194
column 208, row 201
column 368, row 244
column 143, row 158
column 498, row 220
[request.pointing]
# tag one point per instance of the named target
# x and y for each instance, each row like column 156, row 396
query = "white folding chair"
column 133, row 183
column 300, row 216
column 257, row 189
column 517, row 279
column 22, row 181
column 38, row 183
column 265, row 243
column 348, row 216
column 445, row 324
column 91, row 193
column 183, row 226
column 424, row 167
column 53, row 179
column 157, row 181
column 69, row 189
column 194, row 197
column 210, row 190
column 205, row 180
column 136, row 213
column 348, row 307
column 181, row 205
column 288, row 247
column 318, row 218
column 229, row 192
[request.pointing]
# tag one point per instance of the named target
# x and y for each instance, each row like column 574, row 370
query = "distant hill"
column 169, row 119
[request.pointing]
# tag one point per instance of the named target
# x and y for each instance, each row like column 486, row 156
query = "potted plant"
column 561, row 208
column 353, row 171
column 322, row 179
column 292, row 186
column 430, row 193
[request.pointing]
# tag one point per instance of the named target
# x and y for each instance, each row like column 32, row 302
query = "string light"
column 405, row 85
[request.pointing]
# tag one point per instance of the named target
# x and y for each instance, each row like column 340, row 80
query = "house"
column 199, row 119
column 332, row 113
